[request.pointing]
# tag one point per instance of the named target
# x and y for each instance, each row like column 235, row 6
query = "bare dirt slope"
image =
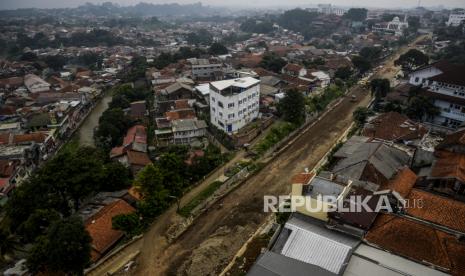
column 208, row 245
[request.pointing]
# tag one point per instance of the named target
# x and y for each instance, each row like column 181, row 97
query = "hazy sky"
column 13, row 4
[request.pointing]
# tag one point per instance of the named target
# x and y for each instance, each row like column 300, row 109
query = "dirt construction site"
column 209, row 244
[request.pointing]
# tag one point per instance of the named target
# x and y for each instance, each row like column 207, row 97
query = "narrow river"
column 86, row 131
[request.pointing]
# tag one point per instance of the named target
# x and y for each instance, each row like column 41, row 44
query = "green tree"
column 64, row 248
column 130, row 224
column 150, row 180
column 112, row 126
column 413, row 23
column 116, row 177
column 356, row 14
column 412, row 60
column 174, row 172
column 56, row 62
column 370, row 53
column 38, row 222
column 343, row 73
column 217, row 49
column 257, row 26
column 420, row 107
column 272, row 62
column 360, row 115
column 73, row 175
column 361, row 64
column 91, row 59
column 380, row 87
column 292, row 107
column 201, row 37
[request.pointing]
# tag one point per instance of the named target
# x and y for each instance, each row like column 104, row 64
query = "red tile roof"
column 402, row 183
column 100, row 228
column 418, row 242
column 8, row 167
column 449, row 165
column 302, row 178
column 138, row 158
column 437, row 209
column 180, row 114
column 137, row 134
column 181, row 104
column 38, row 137
column 453, row 139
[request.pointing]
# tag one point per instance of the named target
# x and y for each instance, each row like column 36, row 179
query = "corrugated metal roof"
column 273, row 264
column 317, row 245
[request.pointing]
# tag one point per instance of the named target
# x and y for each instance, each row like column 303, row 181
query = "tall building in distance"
column 234, row 103
column 456, row 18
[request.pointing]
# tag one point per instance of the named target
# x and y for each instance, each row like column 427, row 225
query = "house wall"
column 234, row 115
column 202, row 71
column 455, row 19
column 418, row 77
column 185, row 137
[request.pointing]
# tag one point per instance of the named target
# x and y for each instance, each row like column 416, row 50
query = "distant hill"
column 109, row 9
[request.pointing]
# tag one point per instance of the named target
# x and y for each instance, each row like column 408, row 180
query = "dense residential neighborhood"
column 152, row 139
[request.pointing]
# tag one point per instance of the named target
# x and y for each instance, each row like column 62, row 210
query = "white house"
column 185, row 131
column 322, row 77
column 456, row 18
column 445, row 85
column 234, row 103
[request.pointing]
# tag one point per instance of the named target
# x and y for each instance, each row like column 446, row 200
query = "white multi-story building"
column 443, row 83
column 234, row 103
column 456, row 18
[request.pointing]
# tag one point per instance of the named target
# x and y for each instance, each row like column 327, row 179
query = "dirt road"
column 207, row 246
column 215, row 236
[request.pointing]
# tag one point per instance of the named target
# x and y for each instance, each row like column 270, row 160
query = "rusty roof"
column 402, row 183
column 419, row 242
column 449, row 165
column 138, row 158
column 302, row 178
column 437, row 209
column 100, row 228
column 456, row 138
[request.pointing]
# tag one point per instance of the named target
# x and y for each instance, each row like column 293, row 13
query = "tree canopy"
column 343, row 73
column 380, row 87
column 412, row 59
column 272, row 62
column 64, row 248
column 292, row 107
column 217, row 49
column 201, row 37
column 112, row 127
column 356, row 14
column 257, row 26
column 361, row 63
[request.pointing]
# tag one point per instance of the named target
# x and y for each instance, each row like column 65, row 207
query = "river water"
column 86, row 131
